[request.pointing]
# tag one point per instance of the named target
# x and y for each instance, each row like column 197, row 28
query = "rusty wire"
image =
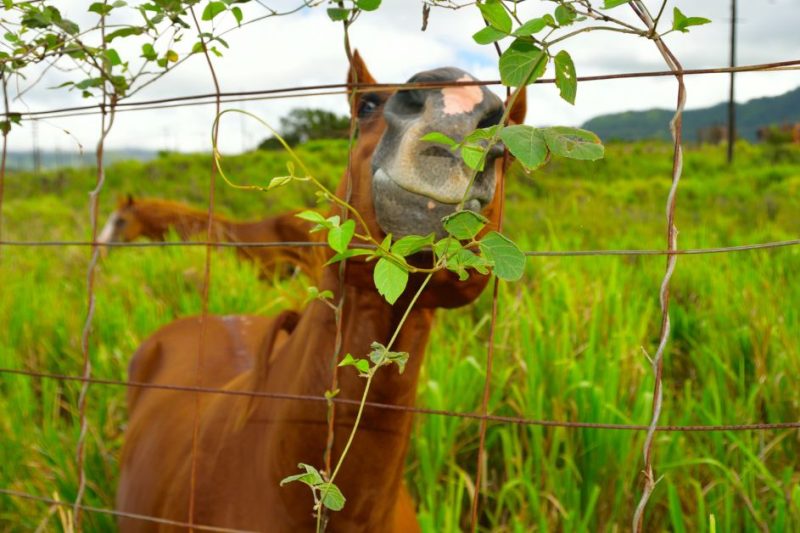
column 106, row 123
column 4, row 154
column 206, row 279
column 503, row 419
column 484, row 417
column 492, row 324
column 304, row 244
column 676, row 130
column 120, row 514
column 341, row 88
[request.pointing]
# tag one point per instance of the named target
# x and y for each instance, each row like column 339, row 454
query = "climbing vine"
column 37, row 36
column 525, row 60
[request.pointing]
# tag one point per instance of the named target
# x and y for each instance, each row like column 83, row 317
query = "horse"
column 245, row 445
column 153, row 218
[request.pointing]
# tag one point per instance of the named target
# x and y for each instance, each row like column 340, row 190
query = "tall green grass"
column 570, row 342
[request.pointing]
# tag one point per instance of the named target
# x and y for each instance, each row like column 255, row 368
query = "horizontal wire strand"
column 417, row 410
column 120, row 514
column 279, row 93
column 304, row 244
column 381, row 87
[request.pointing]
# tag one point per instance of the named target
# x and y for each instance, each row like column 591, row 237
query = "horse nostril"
column 437, row 151
column 491, row 118
column 494, row 152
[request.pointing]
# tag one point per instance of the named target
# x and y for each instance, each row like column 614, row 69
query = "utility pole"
column 731, row 102
column 242, row 128
column 37, row 153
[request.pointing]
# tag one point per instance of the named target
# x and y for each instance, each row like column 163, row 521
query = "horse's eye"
column 119, row 222
column 369, row 104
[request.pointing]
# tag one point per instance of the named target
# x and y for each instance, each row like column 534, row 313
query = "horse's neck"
column 258, row 231
column 303, row 365
column 285, row 227
column 186, row 222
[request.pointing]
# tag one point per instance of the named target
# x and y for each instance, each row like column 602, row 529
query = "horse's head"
column 123, row 225
column 403, row 185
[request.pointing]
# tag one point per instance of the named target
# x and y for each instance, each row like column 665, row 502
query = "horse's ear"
column 517, row 113
column 129, row 200
column 358, row 73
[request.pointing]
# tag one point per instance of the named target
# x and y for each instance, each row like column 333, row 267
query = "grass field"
column 570, row 341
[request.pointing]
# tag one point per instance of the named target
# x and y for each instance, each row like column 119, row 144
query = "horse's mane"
column 174, row 207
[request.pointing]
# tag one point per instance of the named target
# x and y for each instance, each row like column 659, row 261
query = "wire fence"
column 342, row 88
column 218, row 98
column 302, row 244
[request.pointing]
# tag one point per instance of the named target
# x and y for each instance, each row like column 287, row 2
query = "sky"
column 306, row 48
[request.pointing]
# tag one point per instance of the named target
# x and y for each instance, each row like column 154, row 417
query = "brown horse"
column 246, row 445
column 153, row 218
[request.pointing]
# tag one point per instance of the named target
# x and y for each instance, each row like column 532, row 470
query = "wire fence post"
column 107, row 110
column 210, row 237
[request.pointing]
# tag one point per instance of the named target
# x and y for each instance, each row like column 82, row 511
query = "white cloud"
column 307, row 48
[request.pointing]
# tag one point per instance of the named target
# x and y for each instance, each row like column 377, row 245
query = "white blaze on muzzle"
column 461, row 99
column 108, row 230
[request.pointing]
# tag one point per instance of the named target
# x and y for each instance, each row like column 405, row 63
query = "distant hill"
column 23, row 160
column 654, row 124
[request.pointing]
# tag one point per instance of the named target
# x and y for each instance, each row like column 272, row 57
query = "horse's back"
column 163, row 404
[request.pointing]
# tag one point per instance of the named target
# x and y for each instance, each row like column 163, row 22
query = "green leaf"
column 148, row 52
column 473, row 156
column 411, row 244
column 614, row 3
column 347, row 254
column 311, row 477
column 565, row 15
column 566, row 80
column 89, row 82
column 378, row 353
column 445, row 246
column 465, row 259
column 573, row 143
column 398, row 358
column 171, row 56
column 681, row 22
column 464, row 225
column 368, row 5
column 386, row 244
column 100, row 8
column 496, row 15
column 488, row 35
column 113, row 57
column 68, row 26
column 522, row 63
column 390, row 279
column 338, row 13
column 278, row 181
column 339, row 237
column 237, row 14
column 331, row 394
column 362, row 365
column 332, row 497
column 437, row 137
column 534, row 26
column 508, row 260
column 312, row 216
column 526, row 144
column 315, row 294
column 212, row 10
column 124, row 32
column 481, row 134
